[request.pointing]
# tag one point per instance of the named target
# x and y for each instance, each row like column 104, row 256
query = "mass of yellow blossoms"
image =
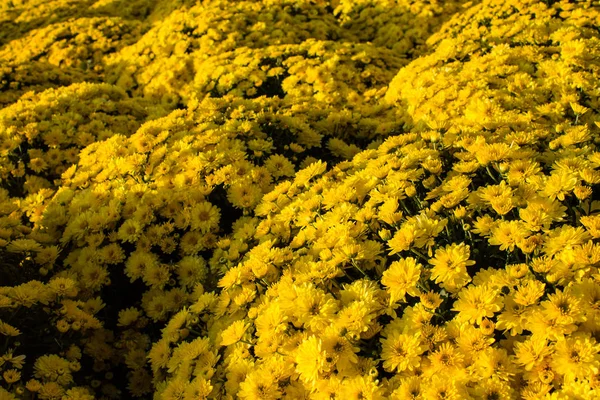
column 300, row 199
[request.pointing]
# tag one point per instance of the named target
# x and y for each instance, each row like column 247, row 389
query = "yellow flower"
column 138, row 263
column 33, row 385
column 199, row 388
column 260, row 384
column 410, row 388
column 494, row 388
column 8, row 330
column 494, row 363
column 78, row 393
column 487, row 326
column 191, row 270
column 401, row 278
column 472, row 342
column 529, row 292
column 156, row 307
column 21, row 245
column 94, row 276
column 576, row 356
column 402, row 351
column 159, row 355
column 507, row 234
column 431, row 300
column 446, row 359
column 484, row 225
column 313, row 308
column 500, row 197
column 279, row 166
column 559, row 184
column 128, row 316
column 233, row 333
column 450, row 266
column 51, row 391
column 402, row 239
column 271, row 321
column 563, row 308
column 193, row 242
column 340, row 349
column 520, row 170
column 175, row 389
column 11, row 376
column 327, row 389
column 592, row 224
column 427, row 229
column 244, row 195
column 388, row 211
column 47, row 255
column 129, row 231
column 310, row 359
column 63, row 325
column 477, row 302
column 53, row 368
column 532, row 352
column 205, row 216
column 157, row 275
column 564, row 237
column 440, row 387
column 361, row 387
column 16, row 361
column 305, row 175
column 135, row 358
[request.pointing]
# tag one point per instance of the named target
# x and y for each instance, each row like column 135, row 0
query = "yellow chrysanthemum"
column 477, row 302
column 402, row 351
column 311, row 360
column 401, row 278
column 233, row 333
column 450, row 266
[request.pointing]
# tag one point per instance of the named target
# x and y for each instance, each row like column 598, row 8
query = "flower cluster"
column 400, row 25
column 42, row 133
column 44, row 46
column 303, row 199
column 297, row 50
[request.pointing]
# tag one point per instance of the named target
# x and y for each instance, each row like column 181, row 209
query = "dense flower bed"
column 300, row 199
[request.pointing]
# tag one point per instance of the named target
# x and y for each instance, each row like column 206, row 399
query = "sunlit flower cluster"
column 42, row 133
column 57, row 43
column 300, row 199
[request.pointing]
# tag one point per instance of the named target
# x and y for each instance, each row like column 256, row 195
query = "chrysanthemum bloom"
column 401, row 278
column 233, row 333
column 310, row 359
column 54, row 368
column 402, row 239
column 576, row 356
column 11, row 376
column 564, row 308
column 411, row 388
column 431, row 299
column 559, row 184
column 450, row 266
column 402, row 351
column 564, row 237
column 507, row 234
column 361, row 386
column 532, row 352
column 442, row 387
column 477, row 302
column 494, row 388
column 446, row 359
column 205, row 216
column 529, row 292
column 22, row 245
